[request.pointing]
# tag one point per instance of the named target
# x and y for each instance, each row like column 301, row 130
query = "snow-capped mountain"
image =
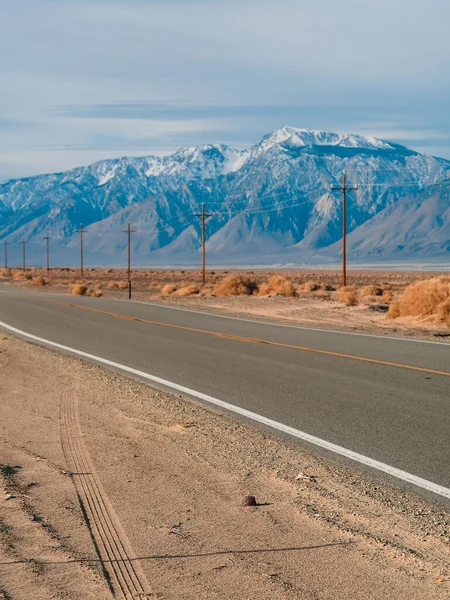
column 271, row 202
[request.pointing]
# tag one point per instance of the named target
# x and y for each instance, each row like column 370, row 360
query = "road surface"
column 383, row 398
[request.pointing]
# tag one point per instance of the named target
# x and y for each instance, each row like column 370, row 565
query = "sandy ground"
column 92, row 461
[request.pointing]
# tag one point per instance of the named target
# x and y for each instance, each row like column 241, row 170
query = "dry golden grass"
column 387, row 296
column 39, row 281
column 236, row 285
column 207, row 291
column 443, row 311
column 78, row 289
column 21, row 276
column 371, row 290
column 277, row 285
column 310, row 286
column 322, row 294
column 187, row 290
column 327, row 287
column 317, row 284
column 168, row 289
column 348, row 295
column 428, row 299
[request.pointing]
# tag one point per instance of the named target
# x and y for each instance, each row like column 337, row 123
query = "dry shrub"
column 168, row 289
column 394, row 310
column 371, row 290
column 322, row 294
column 429, row 298
column 122, row 285
column 21, row 276
column 188, row 290
column 39, row 281
column 6, row 273
column 236, row 285
column 277, row 284
column 310, row 286
column 99, row 284
column 348, row 294
column 112, row 285
column 443, row 311
column 327, row 287
column 387, row 296
column 96, row 293
column 207, row 291
column 78, row 289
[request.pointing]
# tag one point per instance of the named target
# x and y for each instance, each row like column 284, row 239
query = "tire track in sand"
column 124, row 575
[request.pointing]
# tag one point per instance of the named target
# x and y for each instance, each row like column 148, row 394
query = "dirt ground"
column 108, row 482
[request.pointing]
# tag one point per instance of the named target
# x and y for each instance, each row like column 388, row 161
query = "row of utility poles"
column 344, row 188
column 24, row 263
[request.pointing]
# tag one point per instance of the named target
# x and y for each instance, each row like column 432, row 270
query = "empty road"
column 385, row 399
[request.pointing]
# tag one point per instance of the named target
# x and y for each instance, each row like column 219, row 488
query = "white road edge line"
column 360, row 458
column 275, row 324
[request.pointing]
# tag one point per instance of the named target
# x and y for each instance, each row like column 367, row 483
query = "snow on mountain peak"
column 297, row 138
column 204, row 162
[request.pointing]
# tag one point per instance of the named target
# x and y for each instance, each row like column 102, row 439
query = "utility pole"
column 81, row 248
column 24, row 243
column 129, row 231
column 204, row 216
column 47, row 239
column 344, row 189
column 6, row 254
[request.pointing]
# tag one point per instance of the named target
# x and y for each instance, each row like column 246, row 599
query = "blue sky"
column 83, row 80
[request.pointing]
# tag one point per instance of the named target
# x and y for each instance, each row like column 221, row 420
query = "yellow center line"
column 253, row 340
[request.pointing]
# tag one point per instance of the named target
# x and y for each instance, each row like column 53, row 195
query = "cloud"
column 121, row 75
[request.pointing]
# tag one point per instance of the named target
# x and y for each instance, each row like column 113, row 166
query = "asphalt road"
column 388, row 399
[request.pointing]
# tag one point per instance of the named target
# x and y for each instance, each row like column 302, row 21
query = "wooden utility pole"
column 47, row 239
column 24, row 243
column 344, row 189
column 81, row 231
column 5, row 243
column 204, row 216
column 129, row 231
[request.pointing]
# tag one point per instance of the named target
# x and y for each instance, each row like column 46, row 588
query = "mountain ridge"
column 273, row 198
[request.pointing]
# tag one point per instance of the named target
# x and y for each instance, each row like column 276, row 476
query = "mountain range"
column 271, row 203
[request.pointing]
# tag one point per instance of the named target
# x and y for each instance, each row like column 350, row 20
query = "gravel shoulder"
column 173, row 474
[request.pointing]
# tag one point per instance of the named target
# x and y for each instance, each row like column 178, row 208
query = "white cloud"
column 68, row 53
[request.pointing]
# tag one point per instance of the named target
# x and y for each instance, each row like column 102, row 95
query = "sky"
column 83, row 80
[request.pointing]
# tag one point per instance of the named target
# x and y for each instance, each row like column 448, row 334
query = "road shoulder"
column 175, row 474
